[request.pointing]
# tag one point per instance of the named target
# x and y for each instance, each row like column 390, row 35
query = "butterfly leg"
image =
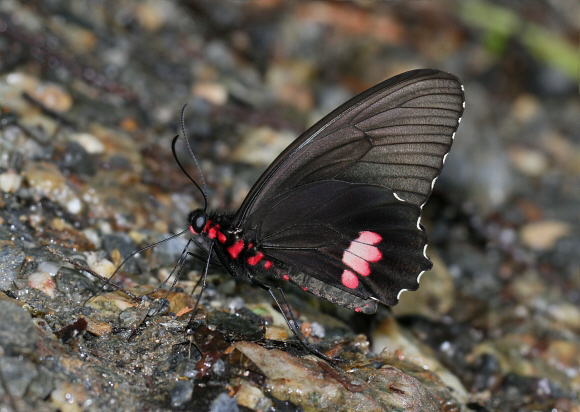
column 292, row 325
column 203, row 279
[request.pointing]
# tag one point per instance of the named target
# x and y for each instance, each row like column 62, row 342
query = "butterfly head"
column 196, row 221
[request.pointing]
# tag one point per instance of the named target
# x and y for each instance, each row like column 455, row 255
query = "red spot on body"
column 221, row 237
column 250, row 245
column 285, row 277
column 213, row 231
column 206, row 227
column 255, row 259
column 235, row 249
column 349, row 279
column 357, row 309
column 267, row 264
column 304, row 288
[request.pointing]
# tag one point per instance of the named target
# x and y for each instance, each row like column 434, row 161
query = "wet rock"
column 223, row 403
column 90, row 143
column 11, row 259
column 70, row 397
column 181, row 392
column 18, row 332
column 76, row 160
column 18, row 374
column 46, row 180
column 41, row 385
column 75, row 286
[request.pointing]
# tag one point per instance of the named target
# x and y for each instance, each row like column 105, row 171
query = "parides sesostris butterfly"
column 338, row 212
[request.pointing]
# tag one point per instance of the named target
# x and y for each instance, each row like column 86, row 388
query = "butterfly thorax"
column 236, row 250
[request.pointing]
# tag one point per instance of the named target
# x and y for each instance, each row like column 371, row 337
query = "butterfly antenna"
column 204, row 191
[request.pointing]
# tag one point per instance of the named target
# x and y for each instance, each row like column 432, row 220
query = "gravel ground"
column 90, row 98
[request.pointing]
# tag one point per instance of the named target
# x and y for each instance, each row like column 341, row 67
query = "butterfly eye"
column 196, row 221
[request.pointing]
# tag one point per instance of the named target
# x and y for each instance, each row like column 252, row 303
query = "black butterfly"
column 338, row 212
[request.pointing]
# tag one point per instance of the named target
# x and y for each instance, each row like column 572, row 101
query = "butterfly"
column 338, row 212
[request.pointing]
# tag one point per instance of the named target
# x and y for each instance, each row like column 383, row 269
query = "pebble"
column 249, row 396
column 89, row 142
column 42, row 281
column 261, row 145
column 71, row 397
column 18, row 332
column 11, row 259
column 46, row 180
column 10, row 181
column 18, row 373
column 215, row 93
column 543, row 235
column 181, row 392
column 102, row 266
column 566, row 313
column 528, row 161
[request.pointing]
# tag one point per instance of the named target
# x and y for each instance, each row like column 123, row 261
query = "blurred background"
column 90, row 98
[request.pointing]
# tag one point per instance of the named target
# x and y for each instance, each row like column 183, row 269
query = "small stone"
column 530, row 162
column 46, row 180
column 42, row 281
column 10, row 181
column 17, row 373
column 249, row 396
column 103, row 267
column 566, row 313
column 214, row 93
column 223, row 403
column 11, row 259
column 70, row 397
column 261, row 145
column 181, row 392
column 97, row 327
column 544, row 234
column 18, row 332
column 53, row 97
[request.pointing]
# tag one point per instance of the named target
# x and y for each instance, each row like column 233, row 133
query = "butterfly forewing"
column 395, row 134
column 338, row 211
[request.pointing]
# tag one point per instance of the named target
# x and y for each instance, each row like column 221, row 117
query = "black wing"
column 340, row 207
column 357, row 238
column 396, row 134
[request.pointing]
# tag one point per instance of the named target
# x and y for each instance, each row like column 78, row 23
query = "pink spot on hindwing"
column 349, row 279
column 367, row 252
column 370, row 238
column 267, row 264
column 357, row 263
column 358, row 255
column 235, row 249
column 286, row 277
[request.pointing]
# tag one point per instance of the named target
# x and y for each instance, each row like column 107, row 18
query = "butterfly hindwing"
column 358, row 238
